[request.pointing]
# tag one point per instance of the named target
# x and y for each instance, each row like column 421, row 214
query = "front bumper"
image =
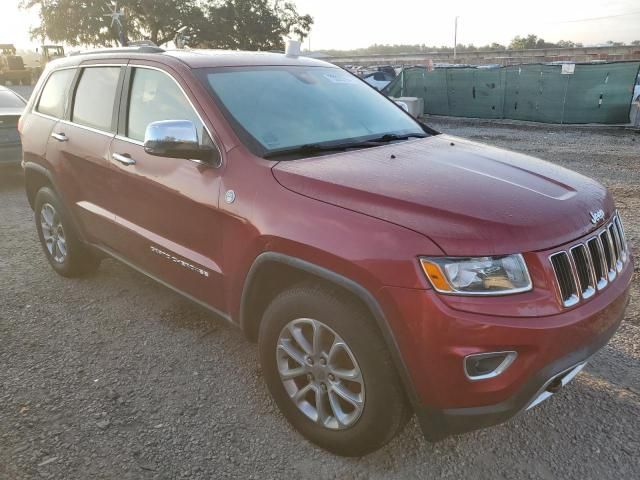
column 434, row 339
column 437, row 424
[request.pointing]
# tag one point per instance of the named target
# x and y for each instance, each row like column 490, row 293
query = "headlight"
column 477, row 275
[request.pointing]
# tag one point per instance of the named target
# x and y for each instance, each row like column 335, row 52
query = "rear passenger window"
column 93, row 105
column 154, row 96
column 55, row 93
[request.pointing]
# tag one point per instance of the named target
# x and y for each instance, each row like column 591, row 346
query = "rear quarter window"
column 55, row 93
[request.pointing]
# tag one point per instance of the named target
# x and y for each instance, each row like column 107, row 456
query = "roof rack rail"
column 135, row 49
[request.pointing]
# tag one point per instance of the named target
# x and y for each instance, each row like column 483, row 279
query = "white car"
column 11, row 107
column 378, row 80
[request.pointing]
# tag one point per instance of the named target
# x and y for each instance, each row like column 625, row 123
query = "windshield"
column 9, row 100
column 277, row 108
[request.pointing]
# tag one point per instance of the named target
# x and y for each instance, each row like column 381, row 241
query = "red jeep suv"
column 384, row 269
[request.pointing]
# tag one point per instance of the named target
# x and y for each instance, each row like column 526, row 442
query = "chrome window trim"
column 90, row 129
column 123, row 137
column 510, row 357
column 115, row 135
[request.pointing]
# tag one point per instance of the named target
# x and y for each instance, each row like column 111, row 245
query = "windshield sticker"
column 335, row 78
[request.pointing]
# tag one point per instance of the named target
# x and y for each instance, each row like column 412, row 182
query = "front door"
column 166, row 209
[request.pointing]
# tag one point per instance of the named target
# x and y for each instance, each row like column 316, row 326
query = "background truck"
column 47, row 53
column 12, row 68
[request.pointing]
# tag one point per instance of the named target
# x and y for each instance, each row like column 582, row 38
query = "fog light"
column 481, row 366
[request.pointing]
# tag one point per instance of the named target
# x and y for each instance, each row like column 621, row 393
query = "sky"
column 348, row 24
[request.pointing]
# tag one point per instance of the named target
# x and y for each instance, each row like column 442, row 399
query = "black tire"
column 385, row 411
column 78, row 260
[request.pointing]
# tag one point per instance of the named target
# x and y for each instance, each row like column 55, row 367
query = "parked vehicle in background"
column 388, row 69
column 636, row 90
column 47, row 54
column 12, row 67
column 378, row 80
column 384, row 269
column 11, row 107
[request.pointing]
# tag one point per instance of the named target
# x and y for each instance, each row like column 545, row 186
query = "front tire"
column 64, row 250
column 329, row 371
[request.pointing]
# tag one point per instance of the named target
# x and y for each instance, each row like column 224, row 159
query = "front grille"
column 590, row 266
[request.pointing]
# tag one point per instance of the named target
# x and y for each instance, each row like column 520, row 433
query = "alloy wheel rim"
column 53, row 233
column 320, row 374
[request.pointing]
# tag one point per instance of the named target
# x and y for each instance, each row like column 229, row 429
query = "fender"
column 355, row 288
column 36, row 167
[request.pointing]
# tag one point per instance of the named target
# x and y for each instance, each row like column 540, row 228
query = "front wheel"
column 329, row 371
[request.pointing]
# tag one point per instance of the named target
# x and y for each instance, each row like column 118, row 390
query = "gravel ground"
column 113, row 376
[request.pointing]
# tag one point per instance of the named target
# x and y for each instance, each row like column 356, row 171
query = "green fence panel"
column 475, row 92
column 593, row 93
column 600, row 93
column 436, row 99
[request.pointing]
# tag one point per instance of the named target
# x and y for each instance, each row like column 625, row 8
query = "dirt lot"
column 114, row 376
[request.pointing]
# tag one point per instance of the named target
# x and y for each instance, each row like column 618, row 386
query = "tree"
column 249, row 24
column 567, row 44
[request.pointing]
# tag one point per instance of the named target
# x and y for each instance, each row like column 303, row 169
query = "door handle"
column 124, row 159
column 61, row 137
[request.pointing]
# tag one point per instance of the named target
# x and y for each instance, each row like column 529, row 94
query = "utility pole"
column 455, row 40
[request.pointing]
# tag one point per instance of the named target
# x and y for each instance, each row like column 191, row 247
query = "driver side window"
column 154, row 96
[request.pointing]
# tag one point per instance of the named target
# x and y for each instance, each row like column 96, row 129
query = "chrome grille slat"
column 597, row 260
column 607, row 247
column 588, row 267
column 623, row 242
column 584, row 270
column 617, row 246
column 566, row 279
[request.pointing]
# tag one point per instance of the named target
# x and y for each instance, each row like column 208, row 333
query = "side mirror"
column 177, row 139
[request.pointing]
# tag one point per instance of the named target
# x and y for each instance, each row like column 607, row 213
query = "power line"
column 599, row 18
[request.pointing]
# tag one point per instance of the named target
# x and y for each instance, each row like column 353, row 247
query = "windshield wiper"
column 390, row 137
column 312, row 148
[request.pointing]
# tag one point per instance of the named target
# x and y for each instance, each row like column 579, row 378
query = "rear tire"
column 346, row 399
column 64, row 250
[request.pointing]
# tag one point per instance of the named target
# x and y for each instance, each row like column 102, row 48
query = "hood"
column 469, row 198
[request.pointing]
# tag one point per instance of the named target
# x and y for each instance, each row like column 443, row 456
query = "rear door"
column 48, row 109
column 166, row 208
column 79, row 145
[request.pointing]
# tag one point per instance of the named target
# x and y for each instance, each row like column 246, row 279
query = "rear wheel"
column 329, row 371
column 65, row 252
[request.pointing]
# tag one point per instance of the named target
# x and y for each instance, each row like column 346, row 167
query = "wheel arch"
column 271, row 272
column 35, row 177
